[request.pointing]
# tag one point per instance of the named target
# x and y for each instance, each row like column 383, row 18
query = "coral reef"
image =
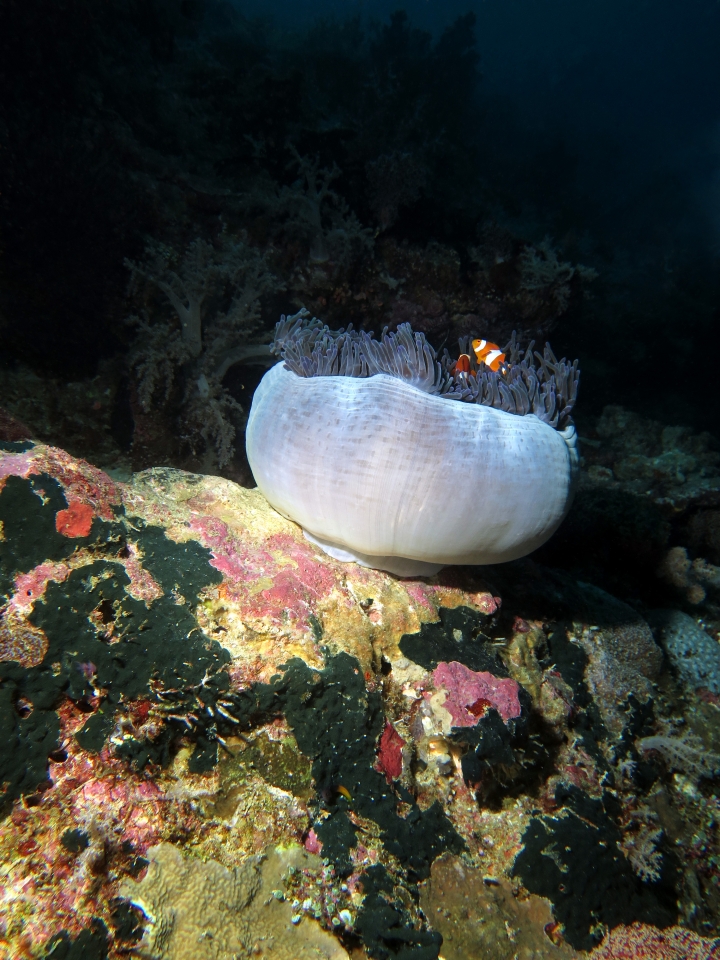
column 222, row 740
column 479, row 917
column 214, row 730
column 644, row 510
column 91, row 417
column 640, row 942
column 691, row 578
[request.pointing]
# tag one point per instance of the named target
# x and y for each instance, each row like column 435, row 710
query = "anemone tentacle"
column 528, row 382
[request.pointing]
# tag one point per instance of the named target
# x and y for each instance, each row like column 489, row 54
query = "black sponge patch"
column 90, row 944
column 575, row 861
column 458, row 635
column 100, row 638
column 337, row 721
column 384, row 926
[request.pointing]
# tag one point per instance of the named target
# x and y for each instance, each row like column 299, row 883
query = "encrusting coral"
column 387, row 457
column 638, row 941
column 200, row 910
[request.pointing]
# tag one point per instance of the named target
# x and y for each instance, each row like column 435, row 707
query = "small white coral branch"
column 640, row 846
column 687, row 755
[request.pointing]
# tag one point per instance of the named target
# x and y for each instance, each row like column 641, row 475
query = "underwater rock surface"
column 192, row 695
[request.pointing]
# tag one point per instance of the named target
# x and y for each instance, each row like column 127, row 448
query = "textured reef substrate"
column 220, row 740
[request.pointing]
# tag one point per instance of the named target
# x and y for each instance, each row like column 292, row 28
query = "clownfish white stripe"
column 492, row 357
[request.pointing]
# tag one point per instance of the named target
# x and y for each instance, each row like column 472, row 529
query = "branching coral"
column 214, row 291
column 640, row 845
column 541, row 269
column 395, row 180
column 311, row 212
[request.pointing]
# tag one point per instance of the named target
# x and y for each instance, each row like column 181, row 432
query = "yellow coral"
column 200, row 910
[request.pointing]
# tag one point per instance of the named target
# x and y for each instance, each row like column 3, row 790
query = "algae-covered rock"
column 189, row 687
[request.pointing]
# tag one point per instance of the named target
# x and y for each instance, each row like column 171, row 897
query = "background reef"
column 203, row 716
column 460, row 175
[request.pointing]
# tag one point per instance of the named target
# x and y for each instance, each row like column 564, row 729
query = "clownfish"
column 490, row 354
column 462, row 365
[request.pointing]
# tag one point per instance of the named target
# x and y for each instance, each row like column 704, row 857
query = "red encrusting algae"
column 389, row 759
column 75, row 521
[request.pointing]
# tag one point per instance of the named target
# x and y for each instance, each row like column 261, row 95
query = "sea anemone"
column 387, row 456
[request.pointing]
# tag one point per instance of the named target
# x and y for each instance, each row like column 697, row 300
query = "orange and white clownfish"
column 462, row 365
column 490, row 354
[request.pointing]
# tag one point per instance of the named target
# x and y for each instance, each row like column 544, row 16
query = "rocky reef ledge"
column 218, row 742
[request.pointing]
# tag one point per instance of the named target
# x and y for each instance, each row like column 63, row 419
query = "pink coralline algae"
column 469, row 693
column 82, row 483
column 31, row 586
column 121, row 812
column 313, row 843
column 295, row 589
column 642, row 942
column 20, row 641
column 16, row 465
column 143, row 585
column 421, row 595
column 75, row 521
column 254, row 576
column 489, row 604
column 389, row 759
